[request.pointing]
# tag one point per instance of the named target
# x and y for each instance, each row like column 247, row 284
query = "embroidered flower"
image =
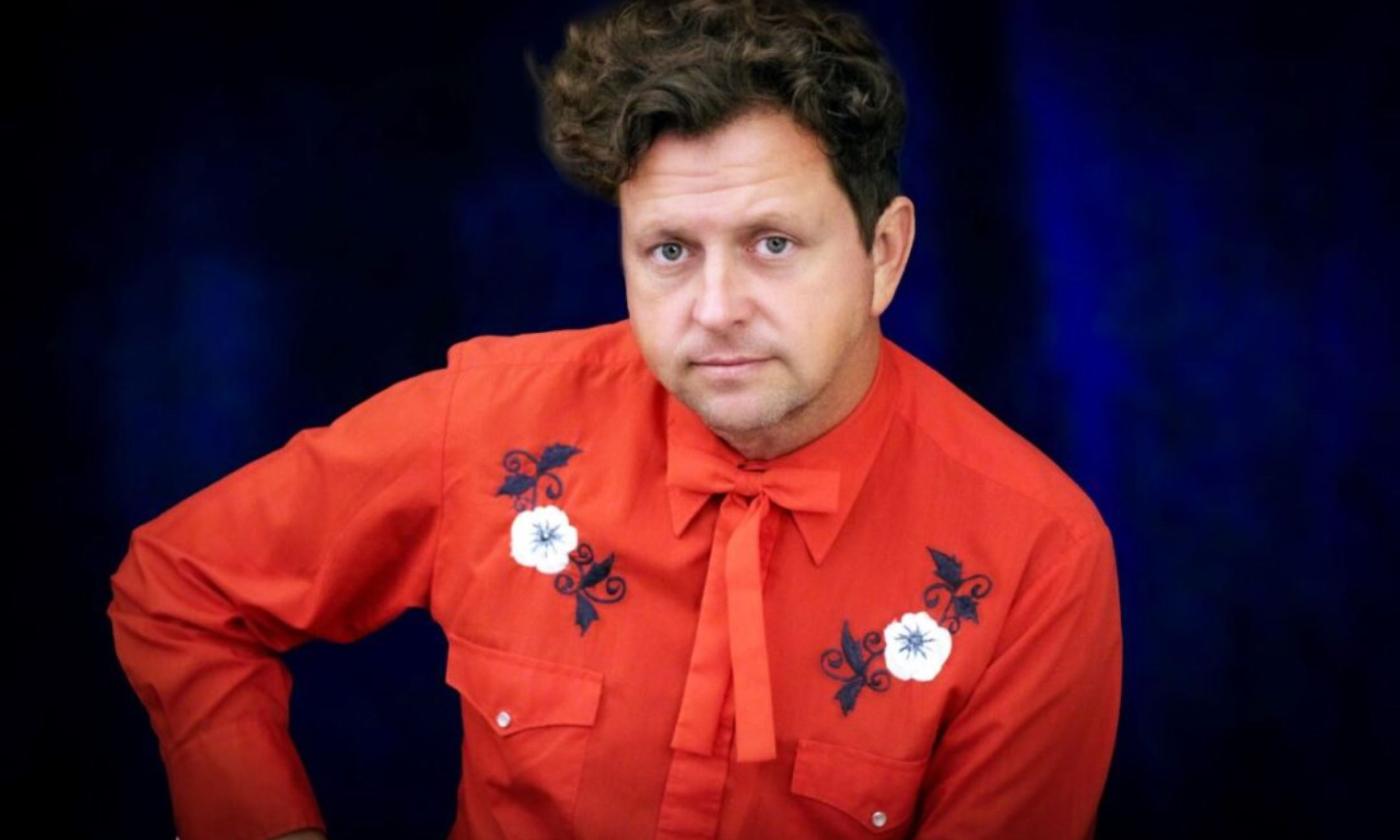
column 541, row 538
column 916, row 647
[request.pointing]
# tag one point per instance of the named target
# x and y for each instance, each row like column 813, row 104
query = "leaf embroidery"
column 947, row 567
column 526, row 474
column 961, row 605
column 516, row 484
column 556, row 456
column 857, row 657
column 922, row 646
column 590, row 582
column 594, row 584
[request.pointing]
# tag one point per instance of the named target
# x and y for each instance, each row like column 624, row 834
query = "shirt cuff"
column 240, row 781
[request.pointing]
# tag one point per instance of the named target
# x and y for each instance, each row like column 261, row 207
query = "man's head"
column 752, row 150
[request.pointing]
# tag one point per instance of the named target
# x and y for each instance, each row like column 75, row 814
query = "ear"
column 889, row 251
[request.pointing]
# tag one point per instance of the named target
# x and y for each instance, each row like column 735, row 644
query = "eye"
column 669, row 252
column 775, row 245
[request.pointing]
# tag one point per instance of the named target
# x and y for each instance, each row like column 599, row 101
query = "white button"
column 503, row 718
column 878, row 819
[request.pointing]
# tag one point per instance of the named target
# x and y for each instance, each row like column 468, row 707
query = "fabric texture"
column 908, row 627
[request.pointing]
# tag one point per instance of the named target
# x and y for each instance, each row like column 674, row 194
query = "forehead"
column 761, row 163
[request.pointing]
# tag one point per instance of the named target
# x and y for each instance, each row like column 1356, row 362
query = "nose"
column 722, row 299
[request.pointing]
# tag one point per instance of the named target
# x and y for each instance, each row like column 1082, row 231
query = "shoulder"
column 978, row 450
column 511, row 379
column 607, row 345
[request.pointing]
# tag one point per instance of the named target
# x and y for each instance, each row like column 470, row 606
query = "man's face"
column 748, row 286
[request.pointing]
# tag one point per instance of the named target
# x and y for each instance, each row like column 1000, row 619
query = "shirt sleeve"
column 1028, row 754
column 329, row 537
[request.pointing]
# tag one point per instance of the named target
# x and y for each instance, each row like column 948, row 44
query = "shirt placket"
column 694, row 792
column 692, row 800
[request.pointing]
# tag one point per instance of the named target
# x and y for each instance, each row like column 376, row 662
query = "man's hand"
column 305, row 834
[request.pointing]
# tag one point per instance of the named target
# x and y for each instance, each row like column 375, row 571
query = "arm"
column 1028, row 755
column 329, row 537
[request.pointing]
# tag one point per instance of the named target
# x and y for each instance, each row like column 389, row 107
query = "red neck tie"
column 731, row 633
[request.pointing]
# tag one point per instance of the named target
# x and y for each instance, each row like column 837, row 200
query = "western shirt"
column 907, row 627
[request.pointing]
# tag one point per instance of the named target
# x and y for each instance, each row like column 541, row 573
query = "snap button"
column 878, row 819
column 503, row 718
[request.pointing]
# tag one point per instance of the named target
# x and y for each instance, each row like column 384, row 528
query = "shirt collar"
column 850, row 447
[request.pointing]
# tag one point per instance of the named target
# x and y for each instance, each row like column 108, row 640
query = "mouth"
column 727, row 361
column 727, row 367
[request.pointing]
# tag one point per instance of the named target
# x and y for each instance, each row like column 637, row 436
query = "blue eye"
column 775, row 245
column 669, row 251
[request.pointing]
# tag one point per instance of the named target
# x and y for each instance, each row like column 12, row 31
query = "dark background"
column 1158, row 240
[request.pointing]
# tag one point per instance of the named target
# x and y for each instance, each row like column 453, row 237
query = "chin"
column 740, row 415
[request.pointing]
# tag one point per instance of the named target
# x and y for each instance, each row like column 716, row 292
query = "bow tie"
column 731, row 632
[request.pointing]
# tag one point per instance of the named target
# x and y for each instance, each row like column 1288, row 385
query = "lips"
column 727, row 361
column 728, row 371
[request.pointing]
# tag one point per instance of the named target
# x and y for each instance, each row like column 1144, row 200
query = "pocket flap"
column 514, row 692
column 877, row 791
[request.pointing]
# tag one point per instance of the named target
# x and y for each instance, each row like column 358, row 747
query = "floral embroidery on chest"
column 543, row 539
column 914, row 646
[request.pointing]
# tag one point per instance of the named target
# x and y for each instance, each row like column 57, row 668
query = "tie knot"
column 748, row 480
column 815, row 490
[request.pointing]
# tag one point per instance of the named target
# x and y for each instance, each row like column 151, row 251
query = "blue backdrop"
column 1158, row 241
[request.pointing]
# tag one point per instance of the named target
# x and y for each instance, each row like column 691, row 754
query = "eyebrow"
column 669, row 229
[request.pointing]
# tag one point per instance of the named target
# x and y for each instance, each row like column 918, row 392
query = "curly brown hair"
column 689, row 66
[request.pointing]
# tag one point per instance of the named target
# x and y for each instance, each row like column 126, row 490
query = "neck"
column 818, row 415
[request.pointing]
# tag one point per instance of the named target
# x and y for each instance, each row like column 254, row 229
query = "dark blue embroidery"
column 961, row 605
column 584, row 586
column 851, row 663
column 858, row 658
column 526, row 474
column 593, row 581
column 913, row 642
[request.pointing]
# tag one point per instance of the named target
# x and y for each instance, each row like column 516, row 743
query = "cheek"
column 655, row 325
column 822, row 323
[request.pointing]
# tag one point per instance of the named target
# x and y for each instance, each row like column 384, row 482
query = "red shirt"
column 908, row 627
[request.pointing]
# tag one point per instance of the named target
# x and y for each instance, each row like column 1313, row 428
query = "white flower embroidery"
column 916, row 647
column 542, row 538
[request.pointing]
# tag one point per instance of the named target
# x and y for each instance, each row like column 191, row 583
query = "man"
column 736, row 567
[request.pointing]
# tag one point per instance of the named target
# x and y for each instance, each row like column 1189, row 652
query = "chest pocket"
column 874, row 794
column 526, row 725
